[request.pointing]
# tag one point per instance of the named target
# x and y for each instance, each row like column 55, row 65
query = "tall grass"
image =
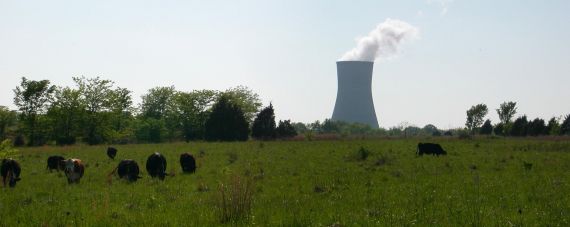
column 234, row 199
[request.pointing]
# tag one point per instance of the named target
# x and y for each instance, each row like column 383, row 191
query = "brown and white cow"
column 74, row 170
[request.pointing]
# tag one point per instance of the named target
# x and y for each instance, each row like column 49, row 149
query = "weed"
column 361, row 154
column 232, row 157
column 234, row 199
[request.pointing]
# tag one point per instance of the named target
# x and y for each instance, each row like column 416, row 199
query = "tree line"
column 521, row 126
column 95, row 111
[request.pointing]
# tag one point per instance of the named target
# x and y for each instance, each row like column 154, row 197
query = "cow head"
column 68, row 165
column 12, row 180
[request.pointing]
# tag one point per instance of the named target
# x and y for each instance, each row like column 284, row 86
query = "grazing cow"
column 188, row 163
column 430, row 148
column 74, row 170
column 111, row 152
column 10, row 171
column 54, row 162
column 156, row 165
column 128, row 169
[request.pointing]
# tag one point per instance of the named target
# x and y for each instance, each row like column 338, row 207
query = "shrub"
column 7, row 150
column 19, row 141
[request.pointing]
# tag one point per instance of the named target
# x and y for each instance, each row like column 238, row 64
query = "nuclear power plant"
column 354, row 102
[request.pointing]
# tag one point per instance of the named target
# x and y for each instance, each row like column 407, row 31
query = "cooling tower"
column 354, row 95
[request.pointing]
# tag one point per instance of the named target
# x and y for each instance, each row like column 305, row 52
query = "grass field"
column 481, row 182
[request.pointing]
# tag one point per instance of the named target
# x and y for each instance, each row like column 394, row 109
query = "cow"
column 111, row 152
column 54, row 162
column 74, row 170
column 128, row 169
column 156, row 165
column 430, row 148
column 10, row 171
column 188, row 163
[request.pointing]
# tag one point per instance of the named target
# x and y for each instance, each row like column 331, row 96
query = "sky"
column 467, row 52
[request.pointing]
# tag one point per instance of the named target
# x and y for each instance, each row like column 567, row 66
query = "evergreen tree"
column 553, row 127
column 487, row 128
column 520, row 127
column 226, row 122
column 565, row 126
column 286, row 130
column 264, row 124
column 499, row 129
column 537, row 127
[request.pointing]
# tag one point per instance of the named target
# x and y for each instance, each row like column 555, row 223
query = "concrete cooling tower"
column 354, row 95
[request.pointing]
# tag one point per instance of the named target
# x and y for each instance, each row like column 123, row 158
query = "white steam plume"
column 382, row 42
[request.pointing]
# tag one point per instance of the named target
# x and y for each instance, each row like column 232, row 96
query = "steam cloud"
column 382, row 42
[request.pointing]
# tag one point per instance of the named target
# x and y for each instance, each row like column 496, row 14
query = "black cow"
column 55, row 162
column 111, row 152
column 188, row 163
column 10, row 171
column 430, row 148
column 156, row 165
column 128, row 169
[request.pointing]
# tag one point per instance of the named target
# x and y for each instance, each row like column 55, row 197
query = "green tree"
column 96, row 95
column 158, row 104
column 475, row 117
column 226, row 122
column 264, row 124
column 430, row 129
column 487, row 128
column 499, row 129
column 520, row 126
column 300, row 127
column 32, row 98
column 553, row 126
column 506, row 111
column 537, row 127
column 122, row 115
column 330, row 126
column 192, row 109
column 65, row 114
column 285, row 129
column 565, row 126
column 246, row 99
column 7, row 120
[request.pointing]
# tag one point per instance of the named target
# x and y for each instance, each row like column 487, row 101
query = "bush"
column 65, row 140
column 19, row 141
column 7, row 150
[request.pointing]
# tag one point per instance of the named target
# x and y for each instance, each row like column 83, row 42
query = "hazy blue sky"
column 469, row 52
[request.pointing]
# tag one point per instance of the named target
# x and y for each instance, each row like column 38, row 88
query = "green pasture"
column 481, row 182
